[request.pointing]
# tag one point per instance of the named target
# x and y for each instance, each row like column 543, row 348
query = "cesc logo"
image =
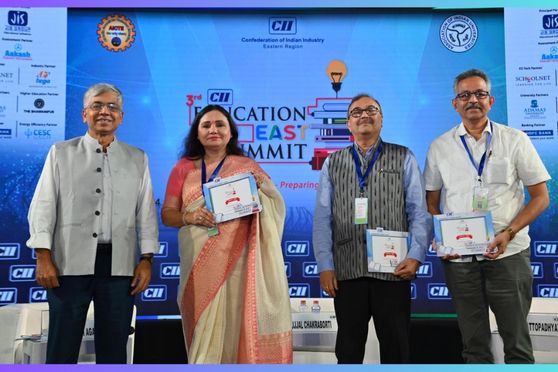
column 169, row 271
column 546, row 249
column 309, row 269
column 438, row 291
column 22, row 273
column 283, row 25
column 17, row 18
column 297, row 248
column 155, row 293
column 8, row 296
column 222, row 97
column 537, row 270
column 425, row 270
column 9, row 251
column 37, row 294
column 299, row 290
column 547, row 290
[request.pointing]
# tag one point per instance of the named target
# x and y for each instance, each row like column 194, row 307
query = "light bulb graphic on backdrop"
column 336, row 71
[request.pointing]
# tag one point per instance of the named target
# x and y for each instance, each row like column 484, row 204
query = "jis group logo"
column 155, row 293
column 425, row 270
column 547, row 290
column 537, row 270
column 17, row 18
column 297, row 248
column 282, row 26
column 550, row 22
column 9, row 251
column 163, row 250
column 223, row 97
column 309, row 269
column 170, row 271
column 458, row 33
column 37, row 294
column 22, row 273
column 546, row 249
column 438, row 291
column 8, row 296
column 299, row 290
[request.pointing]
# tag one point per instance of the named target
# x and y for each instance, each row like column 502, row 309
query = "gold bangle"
column 510, row 231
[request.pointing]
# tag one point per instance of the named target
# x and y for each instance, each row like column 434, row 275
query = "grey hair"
column 101, row 88
column 363, row 95
column 471, row 73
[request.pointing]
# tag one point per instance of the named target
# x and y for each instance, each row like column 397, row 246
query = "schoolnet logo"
column 297, row 248
column 282, row 25
column 8, row 296
column 425, row 270
column 22, row 273
column 309, row 269
column 155, row 293
column 438, row 291
column 170, row 271
column 537, row 270
column 547, row 290
column 546, row 249
column 37, row 294
column 299, row 290
column 223, row 97
column 9, row 251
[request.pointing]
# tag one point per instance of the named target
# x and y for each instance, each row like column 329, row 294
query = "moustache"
column 366, row 120
column 473, row 106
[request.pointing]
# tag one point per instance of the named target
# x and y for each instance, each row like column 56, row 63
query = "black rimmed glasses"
column 370, row 111
column 479, row 94
column 98, row 106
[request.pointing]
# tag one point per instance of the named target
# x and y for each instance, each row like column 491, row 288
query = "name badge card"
column 386, row 249
column 464, row 234
column 232, row 197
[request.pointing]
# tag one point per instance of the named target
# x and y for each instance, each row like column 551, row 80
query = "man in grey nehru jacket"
column 367, row 185
column 92, row 208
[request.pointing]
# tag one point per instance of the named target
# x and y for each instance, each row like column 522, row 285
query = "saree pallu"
column 233, row 293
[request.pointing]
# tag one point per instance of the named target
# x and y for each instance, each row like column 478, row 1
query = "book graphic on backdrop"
column 386, row 249
column 464, row 234
column 232, row 197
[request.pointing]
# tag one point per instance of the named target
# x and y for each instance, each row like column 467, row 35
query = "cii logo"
column 309, row 269
column 222, row 97
column 155, row 293
column 283, row 25
column 546, row 249
column 8, row 296
column 163, row 249
column 431, row 251
column 297, row 248
column 438, row 291
column 169, row 271
column 324, row 294
column 17, row 18
column 413, row 291
column 547, row 290
column 425, row 270
column 9, row 251
column 288, row 266
column 537, row 270
column 37, row 294
column 22, row 273
column 299, row 290
column 556, row 270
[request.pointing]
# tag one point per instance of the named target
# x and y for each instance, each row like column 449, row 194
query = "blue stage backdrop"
column 272, row 70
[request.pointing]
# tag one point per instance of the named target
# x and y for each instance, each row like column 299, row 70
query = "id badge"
column 361, row 211
column 480, row 198
column 212, row 231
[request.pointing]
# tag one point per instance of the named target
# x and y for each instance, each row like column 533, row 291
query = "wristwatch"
column 510, row 231
column 147, row 258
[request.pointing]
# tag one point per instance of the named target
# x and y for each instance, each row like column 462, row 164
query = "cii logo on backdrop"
column 425, row 270
column 438, row 291
column 546, row 249
column 556, row 270
column 22, row 273
column 9, row 251
column 8, row 296
column 309, row 269
column 170, row 271
column 297, row 248
column 413, row 291
column 299, row 290
column 223, row 97
column 155, row 293
column 288, row 269
column 282, row 25
column 537, row 270
column 37, row 294
column 163, row 250
column 547, row 290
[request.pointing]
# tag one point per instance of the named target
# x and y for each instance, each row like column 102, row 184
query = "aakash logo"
column 546, row 249
column 438, row 291
column 547, row 290
column 9, row 251
column 309, row 269
column 299, row 290
column 425, row 270
column 537, row 270
column 22, row 273
column 155, row 293
column 37, row 294
column 223, row 97
column 282, row 26
column 8, row 296
column 297, row 248
column 170, row 271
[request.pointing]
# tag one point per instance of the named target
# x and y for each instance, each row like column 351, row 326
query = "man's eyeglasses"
column 479, row 94
column 98, row 106
column 370, row 111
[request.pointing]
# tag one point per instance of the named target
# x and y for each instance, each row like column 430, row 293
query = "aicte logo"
column 22, row 273
column 537, row 270
column 37, row 294
column 155, row 293
column 8, row 296
column 425, row 270
column 547, row 290
column 299, row 290
column 223, row 97
column 170, row 271
column 458, row 33
column 297, row 248
column 282, row 25
column 546, row 249
column 309, row 269
column 438, row 291
column 9, row 251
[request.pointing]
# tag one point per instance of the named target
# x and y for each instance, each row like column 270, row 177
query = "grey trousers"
column 506, row 286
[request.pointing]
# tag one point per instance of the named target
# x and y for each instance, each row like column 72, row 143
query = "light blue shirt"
column 418, row 219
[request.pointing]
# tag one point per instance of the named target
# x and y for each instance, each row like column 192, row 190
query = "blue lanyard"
column 362, row 178
column 213, row 175
column 482, row 162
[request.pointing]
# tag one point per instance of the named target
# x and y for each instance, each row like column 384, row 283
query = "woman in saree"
column 233, row 291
